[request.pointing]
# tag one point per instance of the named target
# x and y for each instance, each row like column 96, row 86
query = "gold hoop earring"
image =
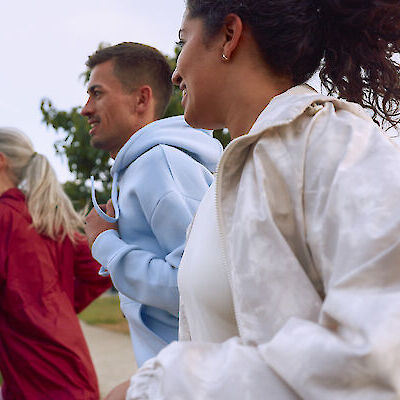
column 224, row 57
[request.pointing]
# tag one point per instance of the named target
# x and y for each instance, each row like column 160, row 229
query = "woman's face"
column 199, row 75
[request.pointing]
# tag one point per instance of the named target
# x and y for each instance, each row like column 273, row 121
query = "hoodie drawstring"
column 114, row 199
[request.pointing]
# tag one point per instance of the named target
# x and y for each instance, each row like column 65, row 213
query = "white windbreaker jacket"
column 308, row 207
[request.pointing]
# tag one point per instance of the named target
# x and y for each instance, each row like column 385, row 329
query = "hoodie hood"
column 173, row 131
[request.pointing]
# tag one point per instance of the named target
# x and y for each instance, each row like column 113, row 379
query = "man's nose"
column 87, row 109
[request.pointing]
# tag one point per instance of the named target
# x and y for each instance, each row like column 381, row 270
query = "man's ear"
column 232, row 30
column 143, row 99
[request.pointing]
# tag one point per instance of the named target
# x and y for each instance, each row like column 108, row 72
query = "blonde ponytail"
column 51, row 210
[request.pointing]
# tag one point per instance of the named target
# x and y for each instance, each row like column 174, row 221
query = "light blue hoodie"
column 163, row 172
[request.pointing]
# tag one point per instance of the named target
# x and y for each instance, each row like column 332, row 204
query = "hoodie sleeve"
column 138, row 272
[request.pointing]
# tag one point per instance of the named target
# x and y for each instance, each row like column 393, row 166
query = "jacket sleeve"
column 5, row 233
column 139, row 273
column 353, row 350
column 88, row 284
column 187, row 370
column 351, row 200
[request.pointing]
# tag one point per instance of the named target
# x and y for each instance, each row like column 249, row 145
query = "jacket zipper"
column 226, row 267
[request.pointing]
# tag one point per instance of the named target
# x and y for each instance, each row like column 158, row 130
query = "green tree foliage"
column 83, row 159
column 223, row 136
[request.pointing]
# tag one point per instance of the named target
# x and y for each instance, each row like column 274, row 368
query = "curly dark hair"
column 138, row 64
column 353, row 42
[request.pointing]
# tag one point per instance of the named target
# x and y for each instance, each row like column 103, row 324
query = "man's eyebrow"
column 92, row 88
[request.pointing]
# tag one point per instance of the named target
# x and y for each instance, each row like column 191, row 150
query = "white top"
column 202, row 282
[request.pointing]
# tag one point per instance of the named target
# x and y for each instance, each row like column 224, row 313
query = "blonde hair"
column 51, row 210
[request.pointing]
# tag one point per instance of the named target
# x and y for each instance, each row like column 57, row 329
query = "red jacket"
column 43, row 284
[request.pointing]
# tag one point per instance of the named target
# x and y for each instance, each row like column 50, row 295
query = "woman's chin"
column 195, row 120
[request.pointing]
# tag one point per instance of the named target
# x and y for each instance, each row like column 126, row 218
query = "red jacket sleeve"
column 88, row 283
column 5, row 226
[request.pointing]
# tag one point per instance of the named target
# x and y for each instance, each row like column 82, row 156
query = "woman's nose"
column 176, row 78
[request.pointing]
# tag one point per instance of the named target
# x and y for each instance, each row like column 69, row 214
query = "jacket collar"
column 15, row 199
column 286, row 107
column 12, row 194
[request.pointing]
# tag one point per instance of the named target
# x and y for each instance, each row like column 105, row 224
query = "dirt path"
column 112, row 356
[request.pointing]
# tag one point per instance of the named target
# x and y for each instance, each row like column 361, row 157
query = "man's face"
column 110, row 110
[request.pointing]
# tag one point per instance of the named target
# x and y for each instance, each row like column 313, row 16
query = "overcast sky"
column 45, row 43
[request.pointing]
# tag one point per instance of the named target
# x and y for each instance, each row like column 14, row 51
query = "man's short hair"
column 136, row 64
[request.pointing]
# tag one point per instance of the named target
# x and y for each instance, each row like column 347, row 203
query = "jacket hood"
column 174, row 132
column 15, row 199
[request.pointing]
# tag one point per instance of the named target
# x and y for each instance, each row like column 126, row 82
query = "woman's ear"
column 7, row 180
column 233, row 30
column 3, row 161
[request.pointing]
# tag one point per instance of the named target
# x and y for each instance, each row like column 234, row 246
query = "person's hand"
column 95, row 225
column 119, row 392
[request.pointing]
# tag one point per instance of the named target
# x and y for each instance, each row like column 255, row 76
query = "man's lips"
column 93, row 124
